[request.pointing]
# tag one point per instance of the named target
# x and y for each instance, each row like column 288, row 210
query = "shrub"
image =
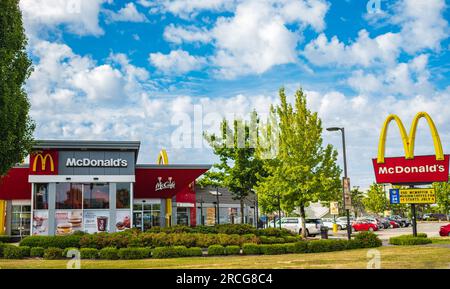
column 215, row 250
column 354, row 244
column 250, row 249
column 52, row 241
column 368, row 240
column 231, row 229
column 194, row 252
column 408, row 240
column 274, row 232
column 88, row 253
column 37, row 252
column 422, row 235
column 273, row 249
column 14, row 252
column 103, row 240
column 289, row 247
column 317, row 246
column 53, row 253
column 170, row 252
column 232, row 250
column 109, row 253
column 70, row 250
column 300, row 247
column 133, row 253
column 5, row 239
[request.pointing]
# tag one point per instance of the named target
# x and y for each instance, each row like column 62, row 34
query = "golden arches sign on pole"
column 409, row 141
column 163, row 159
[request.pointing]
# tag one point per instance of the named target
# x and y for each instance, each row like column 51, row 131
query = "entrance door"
column 20, row 221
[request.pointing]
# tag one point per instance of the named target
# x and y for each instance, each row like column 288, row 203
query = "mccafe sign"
column 87, row 162
column 411, row 169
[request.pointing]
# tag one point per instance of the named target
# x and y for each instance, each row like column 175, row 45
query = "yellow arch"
column 409, row 141
column 163, row 159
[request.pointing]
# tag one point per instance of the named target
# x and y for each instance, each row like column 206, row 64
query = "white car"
column 294, row 224
column 341, row 223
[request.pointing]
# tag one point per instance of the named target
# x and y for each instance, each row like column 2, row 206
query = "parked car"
column 294, row 224
column 404, row 222
column 436, row 217
column 386, row 223
column 445, row 231
column 274, row 224
column 372, row 220
column 341, row 223
column 364, row 226
column 394, row 223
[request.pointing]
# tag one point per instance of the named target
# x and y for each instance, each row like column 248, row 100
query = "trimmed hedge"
column 273, row 249
column 174, row 251
column 251, row 249
column 14, row 252
column 409, row 240
column 109, row 253
column 73, row 252
column 52, row 241
column 232, row 250
column 216, row 250
column 367, row 240
column 5, row 239
column 194, row 252
column 53, row 253
column 88, row 253
column 317, row 246
column 37, row 252
column 133, row 253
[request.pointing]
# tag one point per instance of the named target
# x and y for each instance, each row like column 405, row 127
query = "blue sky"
column 163, row 71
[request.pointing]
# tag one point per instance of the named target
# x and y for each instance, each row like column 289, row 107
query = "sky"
column 162, row 72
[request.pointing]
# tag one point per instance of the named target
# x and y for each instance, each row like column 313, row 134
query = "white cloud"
column 252, row 41
column 365, row 51
column 307, row 12
column 179, row 34
column 176, row 62
column 78, row 16
column 129, row 13
column 188, row 8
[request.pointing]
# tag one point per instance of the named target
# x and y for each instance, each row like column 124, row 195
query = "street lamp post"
column 349, row 228
column 217, row 194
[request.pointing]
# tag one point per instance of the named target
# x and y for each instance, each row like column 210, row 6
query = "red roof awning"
column 15, row 185
column 165, row 181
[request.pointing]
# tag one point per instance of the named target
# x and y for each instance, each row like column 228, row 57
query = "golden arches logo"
column 409, row 140
column 163, row 159
column 44, row 162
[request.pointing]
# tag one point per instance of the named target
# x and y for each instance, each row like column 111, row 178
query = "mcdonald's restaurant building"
column 95, row 186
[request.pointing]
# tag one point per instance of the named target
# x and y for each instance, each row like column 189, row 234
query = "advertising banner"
column 68, row 221
column 347, row 194
column 123, row 220
column 412, row 196
column 96, row 221
column 334, row 208
column 40, row 223
column 421, row 169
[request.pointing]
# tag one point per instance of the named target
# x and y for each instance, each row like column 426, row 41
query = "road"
column 430, row 228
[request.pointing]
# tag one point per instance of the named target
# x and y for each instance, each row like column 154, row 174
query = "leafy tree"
column 375, row 201
column 443, row 197
column 302, row 171
column 238, row 167
column 357, row 201
column 16, row 127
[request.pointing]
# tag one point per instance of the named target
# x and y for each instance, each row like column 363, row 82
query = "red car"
column 445, row 231
column 394, row 224
column 364, row 226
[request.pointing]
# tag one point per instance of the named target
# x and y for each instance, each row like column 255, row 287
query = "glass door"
column 20, row 221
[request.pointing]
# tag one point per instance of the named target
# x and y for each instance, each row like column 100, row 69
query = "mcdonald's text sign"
column 421, row 169
column 44, row 163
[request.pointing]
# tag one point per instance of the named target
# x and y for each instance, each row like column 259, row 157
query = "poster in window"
column 123, row 220
column 96, row 221
column 210, row 216
column 68, row 221
column 40, row 223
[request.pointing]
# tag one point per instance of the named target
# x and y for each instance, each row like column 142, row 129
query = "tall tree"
column 443, row 197
column 237, row 164
column 303, row 170
column 357, row 201
column 376, row 201
column 16, row 127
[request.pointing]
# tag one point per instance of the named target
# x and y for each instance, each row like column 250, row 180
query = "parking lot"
column 430, row 228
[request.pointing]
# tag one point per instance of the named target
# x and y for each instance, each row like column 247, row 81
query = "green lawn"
column 391, row 257
column 441, row 240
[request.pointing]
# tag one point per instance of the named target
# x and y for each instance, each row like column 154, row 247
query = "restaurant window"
column 123, row 195
column 68, row 196
column 183, row 216
column 40, row 197
column 96, row 196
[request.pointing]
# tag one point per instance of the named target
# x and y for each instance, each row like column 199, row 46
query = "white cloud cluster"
column 78, row 16
column 129, row 13
column 188, row 8
column 176, row 62
column 179, row 34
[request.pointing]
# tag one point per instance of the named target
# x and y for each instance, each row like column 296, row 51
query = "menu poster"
column 68, row 221
column 40, row 223
column 96, row 221
column 210, row 216
column 123, row 220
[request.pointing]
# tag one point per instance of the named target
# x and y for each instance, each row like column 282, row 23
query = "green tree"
column 357, row 201
column 238, row 167
column 443, row 197
column 16, row 127
column 302, row 171
column 375, row 201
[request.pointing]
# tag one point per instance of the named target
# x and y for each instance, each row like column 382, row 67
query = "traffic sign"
column 412, row 196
